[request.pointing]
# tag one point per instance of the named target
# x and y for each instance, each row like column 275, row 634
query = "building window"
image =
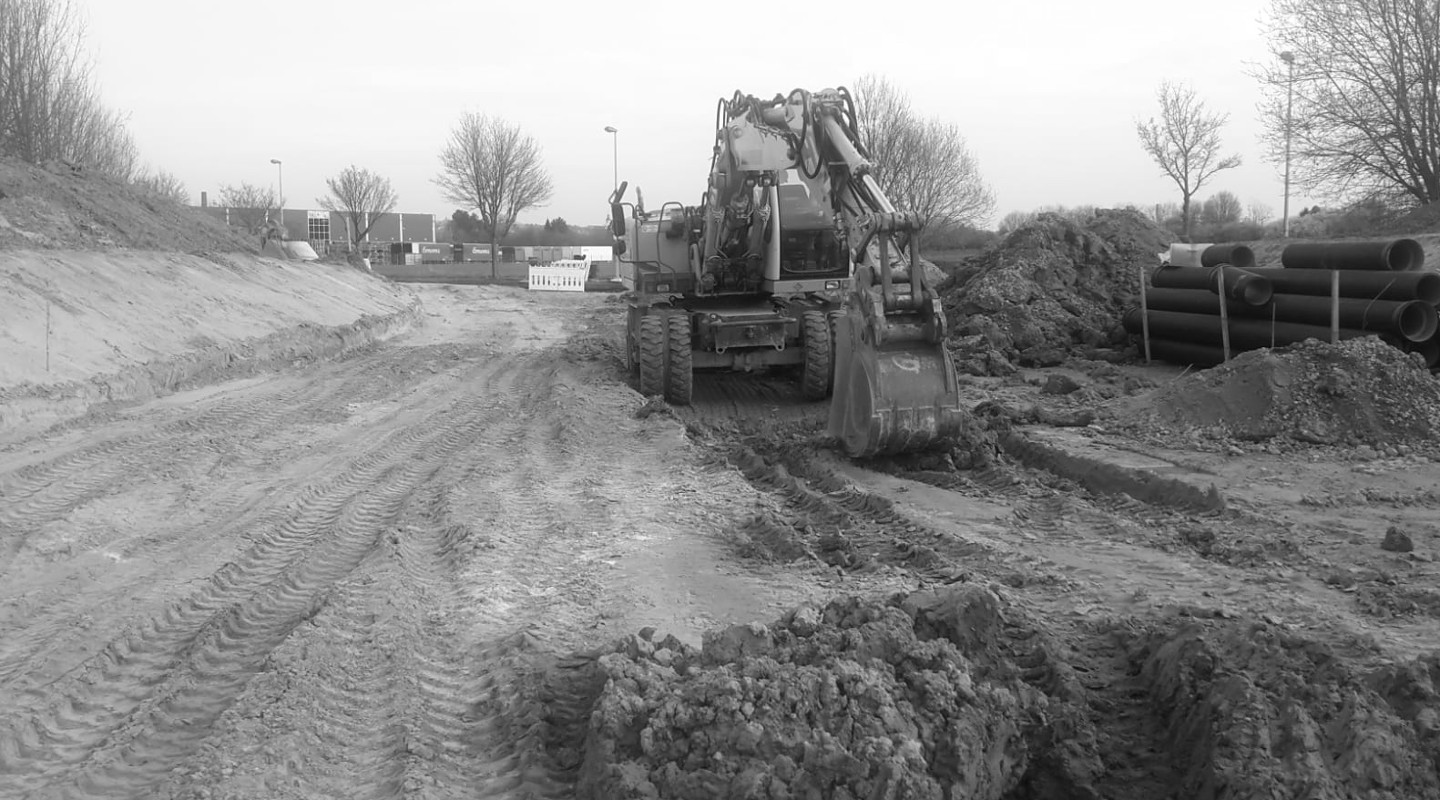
column 320, row 229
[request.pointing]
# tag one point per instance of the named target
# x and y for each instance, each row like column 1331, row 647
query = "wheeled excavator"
column 794, row 256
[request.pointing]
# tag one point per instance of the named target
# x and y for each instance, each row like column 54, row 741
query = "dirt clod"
column 1397, row 541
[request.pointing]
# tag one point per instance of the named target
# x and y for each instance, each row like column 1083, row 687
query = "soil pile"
column 59, row 207
column 1253, row 711
column 1360, row 391
column 1051, row 289
column 946, row 693
column 909, row 698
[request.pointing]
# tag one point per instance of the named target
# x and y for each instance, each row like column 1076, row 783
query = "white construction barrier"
column 560, row 276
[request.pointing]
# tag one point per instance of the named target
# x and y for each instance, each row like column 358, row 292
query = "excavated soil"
column 1051, row 289
column 955, row 692
column 1357, row 392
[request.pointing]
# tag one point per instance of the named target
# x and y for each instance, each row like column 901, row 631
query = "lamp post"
column 1289, row 58
column 615, row 141
column 280, row 199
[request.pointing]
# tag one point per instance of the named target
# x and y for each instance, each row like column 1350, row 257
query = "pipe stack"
column 1383, row 290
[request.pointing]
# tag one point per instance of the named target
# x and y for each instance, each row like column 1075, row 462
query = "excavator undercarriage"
column 793, row 256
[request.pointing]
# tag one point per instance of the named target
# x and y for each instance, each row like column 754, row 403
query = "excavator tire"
column 679, row 383
column 632, row 348
column 819, row 367
column 652, row 355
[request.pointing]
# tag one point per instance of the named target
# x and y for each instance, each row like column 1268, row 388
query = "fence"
column 560, row 276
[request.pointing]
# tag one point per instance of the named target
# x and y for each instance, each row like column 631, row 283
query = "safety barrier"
column 560, row 276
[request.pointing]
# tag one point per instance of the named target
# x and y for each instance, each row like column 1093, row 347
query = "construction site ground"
column 384, row 553
column 285, row 530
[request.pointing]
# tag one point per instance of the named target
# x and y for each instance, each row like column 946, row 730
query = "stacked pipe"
column 1209, row 294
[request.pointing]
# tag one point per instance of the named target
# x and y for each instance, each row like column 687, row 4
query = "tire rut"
column 151, row 696
column 39, row 493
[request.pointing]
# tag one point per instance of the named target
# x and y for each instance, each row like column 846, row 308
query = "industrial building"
column 395, row 237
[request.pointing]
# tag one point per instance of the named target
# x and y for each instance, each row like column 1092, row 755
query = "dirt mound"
column 953, row 692
column 1051, row 288
column 64, row 208
column 911, row 698
column 1253, row 711
column 1360, row 391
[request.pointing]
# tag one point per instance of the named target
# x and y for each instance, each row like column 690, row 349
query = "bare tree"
column 1259, row 213
column 361, row 196
column 250, row 204
column 1364, row 78
column 49, row 105
column 490, row 165
column 923, row 164
column 1014, row 221
column 161, row 184
column 1185, row 142
column 1221, row 208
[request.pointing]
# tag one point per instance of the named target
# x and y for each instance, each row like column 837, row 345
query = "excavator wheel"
column 679, row 375
column 632, row 353
column 818, row 370
column 652, row 355
column 901, row 396
column 631, row 346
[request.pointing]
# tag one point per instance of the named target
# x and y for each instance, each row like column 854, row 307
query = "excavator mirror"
column 617, row 219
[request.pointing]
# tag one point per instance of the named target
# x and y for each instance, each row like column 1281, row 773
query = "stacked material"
column 1324, row 291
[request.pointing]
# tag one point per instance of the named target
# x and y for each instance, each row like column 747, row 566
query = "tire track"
column 40, row 493
column 221, row 633
column 73, row 482
column 439, row 718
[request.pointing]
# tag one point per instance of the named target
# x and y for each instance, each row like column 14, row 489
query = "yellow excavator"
column 794, row 256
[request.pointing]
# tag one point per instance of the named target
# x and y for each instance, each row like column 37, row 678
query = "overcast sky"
column 1046, row 92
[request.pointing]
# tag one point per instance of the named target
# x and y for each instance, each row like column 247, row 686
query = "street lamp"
column 1289, row 58
column 280, row 200
column 615, row 140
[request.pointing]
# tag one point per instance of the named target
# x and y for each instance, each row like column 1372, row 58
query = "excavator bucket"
column 899, row 395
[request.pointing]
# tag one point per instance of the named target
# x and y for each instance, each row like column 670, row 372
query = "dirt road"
column 342, row 580
column 306, row 584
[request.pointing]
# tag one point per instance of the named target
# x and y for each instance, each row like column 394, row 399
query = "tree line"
column 50, row 107
column 1351, row 105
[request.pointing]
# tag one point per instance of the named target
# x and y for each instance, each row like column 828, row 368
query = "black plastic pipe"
column 1397, row 255
column 1420, row 285
column 1245, row 334
column 1176, row 352
column 1429, row 349
column 1410, row 319
column 1241, row 285
column 1236, row 255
